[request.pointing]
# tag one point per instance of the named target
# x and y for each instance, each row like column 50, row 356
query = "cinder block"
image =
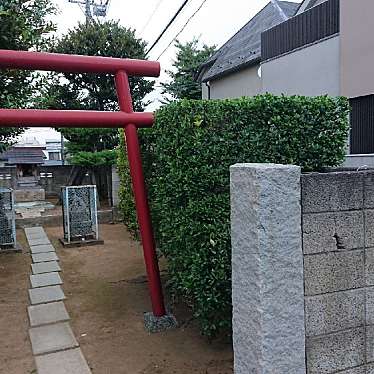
column 369, row 190
column 335, row 352
column 369, row 226
column 334, row 271
column 318, row 233
column 369, row 263
column 370, row 306
column 369, row 369
column 326, row 232
column 267, row 269
column 370, row 343
column 334, row 312
column 357, row 370
column 328, row 192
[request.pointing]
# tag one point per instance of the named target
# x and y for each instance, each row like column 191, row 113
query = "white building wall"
column 243, row 83
column 311, row 71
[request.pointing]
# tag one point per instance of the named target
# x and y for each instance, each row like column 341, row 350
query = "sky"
column 214, row 24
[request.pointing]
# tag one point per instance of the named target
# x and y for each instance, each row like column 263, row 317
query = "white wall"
column 311, row 71
column 243, row 83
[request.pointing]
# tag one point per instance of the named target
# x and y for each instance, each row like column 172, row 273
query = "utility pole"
column 93, row 8
column 88, row 11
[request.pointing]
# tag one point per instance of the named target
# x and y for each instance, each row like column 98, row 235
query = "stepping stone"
column 46, row 295
column 65, row 362
column 42, row 248
column 45, row 314
column 52, row 338
column 37, row 235
column 45, row 267
column 46, row 279
column 38, row 241
column 34, row 231
column 44, row 257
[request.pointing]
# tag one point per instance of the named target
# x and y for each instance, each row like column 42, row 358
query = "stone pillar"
column 267, row 269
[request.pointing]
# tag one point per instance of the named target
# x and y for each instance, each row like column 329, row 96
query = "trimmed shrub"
column 187, row 156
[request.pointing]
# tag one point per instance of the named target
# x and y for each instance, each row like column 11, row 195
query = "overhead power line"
column 182, row 29
column 151, row 16
column 168, row 25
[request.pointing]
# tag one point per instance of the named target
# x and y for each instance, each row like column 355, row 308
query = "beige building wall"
column 243, row 83
column 357, row 47
column 311, row 71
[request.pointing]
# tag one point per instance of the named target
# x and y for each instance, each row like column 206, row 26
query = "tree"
column 93, row 91
column 23, row 26
column 183, row 84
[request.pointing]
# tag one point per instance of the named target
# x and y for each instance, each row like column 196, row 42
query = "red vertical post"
column 141, row 201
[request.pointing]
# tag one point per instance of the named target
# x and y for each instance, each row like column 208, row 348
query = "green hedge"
column 187, row 157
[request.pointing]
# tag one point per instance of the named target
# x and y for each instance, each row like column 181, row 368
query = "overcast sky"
column 214, row 24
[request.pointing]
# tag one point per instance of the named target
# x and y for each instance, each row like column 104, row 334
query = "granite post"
column 267, row 269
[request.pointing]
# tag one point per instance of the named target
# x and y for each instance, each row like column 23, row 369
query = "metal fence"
column 7, row 219
column 80, row 213
column 306, row 28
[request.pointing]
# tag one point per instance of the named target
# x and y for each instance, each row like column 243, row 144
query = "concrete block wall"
column 338, row 249
column 304, row 308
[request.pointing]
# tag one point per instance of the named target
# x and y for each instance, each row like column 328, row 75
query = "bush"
column 187, row 158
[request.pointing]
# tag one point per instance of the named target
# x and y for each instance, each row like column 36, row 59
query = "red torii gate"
column 126, row 117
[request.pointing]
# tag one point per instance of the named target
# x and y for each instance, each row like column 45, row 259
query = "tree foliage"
column 183, row 84
column 23, row 26
column 94, row 91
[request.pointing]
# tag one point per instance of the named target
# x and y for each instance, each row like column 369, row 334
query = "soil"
column 107, row 294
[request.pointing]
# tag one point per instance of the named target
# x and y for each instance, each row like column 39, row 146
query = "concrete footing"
column 155, row 324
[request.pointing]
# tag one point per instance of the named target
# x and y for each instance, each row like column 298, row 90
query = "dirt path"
column 15, row 349
column 107, row 295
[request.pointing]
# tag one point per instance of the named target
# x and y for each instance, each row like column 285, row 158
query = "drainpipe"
column 207, row 84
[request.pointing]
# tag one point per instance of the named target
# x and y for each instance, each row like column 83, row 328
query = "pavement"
column 54, row 346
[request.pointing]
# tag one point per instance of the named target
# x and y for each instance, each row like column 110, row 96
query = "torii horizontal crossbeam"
column 72, row 118
column 26, row 60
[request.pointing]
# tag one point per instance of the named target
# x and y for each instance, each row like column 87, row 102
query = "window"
column 55, row 156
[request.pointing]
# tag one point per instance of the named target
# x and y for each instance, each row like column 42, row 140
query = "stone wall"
column 335, row 222
column 338, row 247
column 52, row 178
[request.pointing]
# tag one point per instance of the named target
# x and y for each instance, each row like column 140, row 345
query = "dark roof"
column 23, row 155
column 244, row 48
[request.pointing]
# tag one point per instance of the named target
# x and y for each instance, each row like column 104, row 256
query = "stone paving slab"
column 52, row 338
column 44, row 280
column 45, row 314
column 46, row 295
column 38, row 241
column 44, row 257
column 34, row 232
column 65, row 362
column 42, row 248
column 36, row 235
column 45, row 267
